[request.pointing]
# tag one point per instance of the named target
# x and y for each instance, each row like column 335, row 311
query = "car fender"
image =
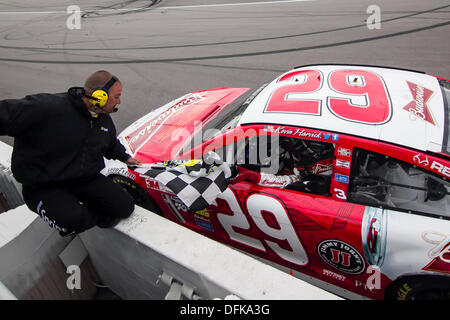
column 414, row 244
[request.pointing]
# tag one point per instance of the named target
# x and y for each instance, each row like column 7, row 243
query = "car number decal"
column 281, row 227
column 354, row 94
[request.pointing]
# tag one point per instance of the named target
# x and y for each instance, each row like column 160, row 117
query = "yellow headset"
column 99, row 97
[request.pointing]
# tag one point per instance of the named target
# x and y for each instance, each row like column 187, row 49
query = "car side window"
column 379, row 180
column 257, row 153
column 306, row 165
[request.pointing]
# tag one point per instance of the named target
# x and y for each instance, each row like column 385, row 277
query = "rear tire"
column 140, row 196
column 426, row 287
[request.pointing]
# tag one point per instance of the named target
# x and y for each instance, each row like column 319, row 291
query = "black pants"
column 76, row 207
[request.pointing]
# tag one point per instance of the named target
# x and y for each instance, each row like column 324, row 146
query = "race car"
column 368, row 215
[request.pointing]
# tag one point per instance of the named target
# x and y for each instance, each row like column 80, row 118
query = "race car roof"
column 386, row 104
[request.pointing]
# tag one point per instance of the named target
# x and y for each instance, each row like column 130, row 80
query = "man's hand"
column 133, row 162
column 246, row 175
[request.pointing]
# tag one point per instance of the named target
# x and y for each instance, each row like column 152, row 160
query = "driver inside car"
column 304, row 166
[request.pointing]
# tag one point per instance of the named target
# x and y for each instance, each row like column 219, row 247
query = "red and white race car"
column 371, row 143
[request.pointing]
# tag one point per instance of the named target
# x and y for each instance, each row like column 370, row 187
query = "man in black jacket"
column 60, row 141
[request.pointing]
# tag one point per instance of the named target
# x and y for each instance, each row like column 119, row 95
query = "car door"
column 317, row 235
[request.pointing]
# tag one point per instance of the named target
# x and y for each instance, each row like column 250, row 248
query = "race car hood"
column 159, row 135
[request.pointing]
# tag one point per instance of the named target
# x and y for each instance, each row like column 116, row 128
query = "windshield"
column 225, row 119
column 445, row 86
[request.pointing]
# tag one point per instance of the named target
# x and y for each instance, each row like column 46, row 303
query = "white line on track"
column 233, row 4
column 160, row 8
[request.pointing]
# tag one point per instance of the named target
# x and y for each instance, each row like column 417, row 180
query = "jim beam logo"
column 418, row 108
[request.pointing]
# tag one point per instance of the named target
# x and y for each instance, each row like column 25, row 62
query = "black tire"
column 426, row 287
column 141, row 198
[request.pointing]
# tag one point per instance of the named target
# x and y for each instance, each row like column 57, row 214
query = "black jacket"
column 56, row 138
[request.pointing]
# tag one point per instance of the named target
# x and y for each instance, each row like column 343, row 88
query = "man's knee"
column 124, row 205
column 116, row 201
column 80, row 219
column 59, row 209
column 128, row 206
column 66, row 218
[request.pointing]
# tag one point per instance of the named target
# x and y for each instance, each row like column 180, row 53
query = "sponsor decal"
column 203, row 213
column 188, row 163
column 374, row 235
column 152, row 184
column 334, row 137
column 333, row 275
column 439, row 167
column 52, row 223
column 122, row 172
column 175, row 205
column 176, row 163
column 38, row 209
column 179, row 204
column 418, row 108
column 272, row 181
column 439, row 253
column 436, row 166
column 341, row 178
column 343, row 164
column 355, row 80
column 321, row 168
column 442, row 262
column 341, row 256
column 421, row 159
column 203, row 222
column 343, row 152
column 201, row 219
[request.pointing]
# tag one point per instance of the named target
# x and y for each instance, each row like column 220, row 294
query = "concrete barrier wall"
column 146, row 253
column 144, row 257
column 10, row 189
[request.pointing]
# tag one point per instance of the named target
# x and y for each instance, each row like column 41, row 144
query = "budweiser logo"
column 418, row 108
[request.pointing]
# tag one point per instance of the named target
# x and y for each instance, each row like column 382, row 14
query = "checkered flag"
column 195, row 182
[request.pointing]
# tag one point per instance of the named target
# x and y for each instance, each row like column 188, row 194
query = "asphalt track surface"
column 162, row 49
